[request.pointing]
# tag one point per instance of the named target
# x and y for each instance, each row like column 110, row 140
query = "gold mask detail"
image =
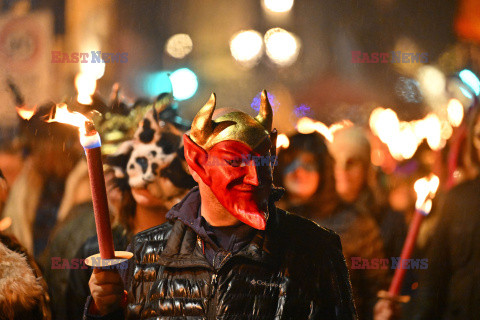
column 235, row 125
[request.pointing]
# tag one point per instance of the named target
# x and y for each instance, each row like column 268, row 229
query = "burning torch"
column 90, row 140
column 425, row 189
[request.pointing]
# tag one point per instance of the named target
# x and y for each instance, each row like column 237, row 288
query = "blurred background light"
column 306, row 125
column 408, row 90
column 282, row 141
column 374, row 117
column 434, row 131
column 460, row 91
column 278, row 5
column 432, row 81
column 404, row 143
column 302, row 110
column 255, row 105
column 282, row 46
column 466, row 93
column 455, row 112
column 471, row 80
column 387, row 125
column 339, row 126
column 156, row 83
column 184, row 83
column 179, row 45
column 247, row 47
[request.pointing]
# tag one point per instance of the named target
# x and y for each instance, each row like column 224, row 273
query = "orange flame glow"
column 337, row 126
column 86, row 81
column 85, row 87
column 307, row 125
column 25, row 113
column 63, row 115
column 425, row 189
column 282, row 141
column 5, row 223
column 76, row 119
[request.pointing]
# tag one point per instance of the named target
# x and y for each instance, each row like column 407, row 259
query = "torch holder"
column 119, row 262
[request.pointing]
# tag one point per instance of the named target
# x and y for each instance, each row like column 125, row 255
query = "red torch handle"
column 100, row 204
column 408, row 246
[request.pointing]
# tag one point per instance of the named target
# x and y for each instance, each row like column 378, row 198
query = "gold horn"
column 202, row 126
column 265, row 114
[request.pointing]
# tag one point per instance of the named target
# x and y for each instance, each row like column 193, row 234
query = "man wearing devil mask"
column 227, row 252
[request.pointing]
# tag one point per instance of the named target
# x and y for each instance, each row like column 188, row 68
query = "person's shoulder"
column 150, row 242
column 157, row 233
column 305, row 233
column 465, row 186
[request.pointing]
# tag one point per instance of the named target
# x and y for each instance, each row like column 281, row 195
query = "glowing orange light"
column 85, row 87
column 306, row 125
column 63, row 115
column 455, row 112
column 76, row 119
column 339, row 126
column 374, row 117
column 5, row 223
column 26, row 114
column 282, row 141
column 321, row 128
column 434, row 133
column 425, row 189
column 86, row 81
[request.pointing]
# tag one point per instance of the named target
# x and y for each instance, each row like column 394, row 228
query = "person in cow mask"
column 147, row 175
column 227, row 251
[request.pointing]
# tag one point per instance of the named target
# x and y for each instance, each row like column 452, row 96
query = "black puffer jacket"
column 292, row 270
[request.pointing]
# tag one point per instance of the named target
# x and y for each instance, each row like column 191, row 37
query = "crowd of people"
column 157, row 173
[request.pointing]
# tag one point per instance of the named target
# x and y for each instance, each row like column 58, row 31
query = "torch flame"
column 425, row 189
column 307, row 125
column 282, row 141
column 89, row 139
column 337, row 126
column 86, row 81
column 85, row 87
column 63, row 115
column 24, row 113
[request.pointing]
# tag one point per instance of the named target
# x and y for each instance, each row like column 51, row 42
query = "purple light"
column 302, row 110
column 273, row 102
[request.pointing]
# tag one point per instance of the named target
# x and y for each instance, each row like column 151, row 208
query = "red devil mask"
column 233, row 156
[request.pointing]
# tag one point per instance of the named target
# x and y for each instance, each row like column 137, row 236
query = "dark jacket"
column 360, row 236
column 292, row 270
column 64, row 243
column 450, row 286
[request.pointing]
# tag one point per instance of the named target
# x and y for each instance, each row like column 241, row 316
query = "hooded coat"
column 23, row 292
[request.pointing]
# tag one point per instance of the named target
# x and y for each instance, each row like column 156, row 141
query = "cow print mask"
column 153, row 160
